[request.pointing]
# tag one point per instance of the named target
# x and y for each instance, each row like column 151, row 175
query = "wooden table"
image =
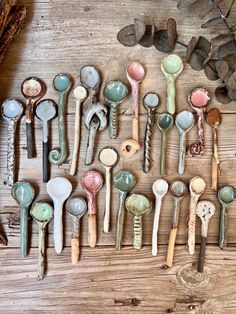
column 62, row 36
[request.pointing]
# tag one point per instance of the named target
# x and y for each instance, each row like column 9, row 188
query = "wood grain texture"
column 62, row 36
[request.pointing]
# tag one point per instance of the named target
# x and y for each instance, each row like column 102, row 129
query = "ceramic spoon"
column 92, row 182
column 171, row 66
column 159, row 188
column 135, row 73
column 32, row 89
column 62, row 84
column 198, row 100
column 42, row 214
column 205, row 210
column 178, row 189
column 214, row 119
column 76, row 207
column 138, row 205
column 197, row 186
column 90, row 78
column 80, row 94
column 115, row 92
column 226, row 195
column 59, row 189
column 165, row 122
column 11, row 111
column 151, row 102
column 184, row 121
column 108, row 157
column 23, row 193
column 45, row 111
column 124, row 182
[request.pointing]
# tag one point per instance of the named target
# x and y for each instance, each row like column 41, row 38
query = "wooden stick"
column 75, row 251
column 92, row 230
column 5, row 8
column 171, row 247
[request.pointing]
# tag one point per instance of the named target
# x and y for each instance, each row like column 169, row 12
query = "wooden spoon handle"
column 106, row 220
column 214, row 173
column 171, row 247
column 76, row 139
column 92, row 230
column 192, row 224
column 75, row 250
column 202, row 254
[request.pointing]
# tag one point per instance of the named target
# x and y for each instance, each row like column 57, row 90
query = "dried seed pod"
column 204, row 44
column 147, row 39
column 231, row 83
column 171, row 32
column 185, row 3
column 232, row 93
column 197, row 59
column 191, row 46
column 126, row 36
column 139, row 29
column 160, row 41
column 222, row 39
column 212, row 22
column 226, row 49
column 222, row 69
column 210, row 70
column 222, row 96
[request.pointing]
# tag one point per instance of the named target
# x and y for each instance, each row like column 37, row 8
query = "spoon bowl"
column 46, row 110
column 42, row 212
column 89, row 76
column 11, row 109
column 80, row 93
column 165, row 121
column 135, row 71
column 160, row 188
column 115, row 92
column 199, row 97
column 33, row 88
column 178, row 189
column 92, row 181
column 151, row 101
column 59, row 188
column 227, row 194
column 124, row 181
column 184, row 121
column 197, row 185
column 172, row 65
column 23, row 193
column 76, row 207
column 108, row 157
column 62, row 82
column 213, row 117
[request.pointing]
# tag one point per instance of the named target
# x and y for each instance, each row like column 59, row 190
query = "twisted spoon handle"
column 147, row 141
column 11, row 152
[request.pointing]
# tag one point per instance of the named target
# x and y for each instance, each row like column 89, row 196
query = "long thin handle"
column 58, row 227
column 107, row 212
column 120, row 220
column 182, row 151
column 30, row 140
column 202, row 254
column 90, row 145
column 192, row 224
column 113, row 121
column 223, row 226
column 156, row 226
column 75, row 250
column 137, row 233
column 45, row 162
column 92, row 230
column 171, row 247
column 11, row 152
column 163, row 155
column 24, row 217
column 76, row 139
column 215, row 160
column 170, row 95
column 135, row 122
column 147, row 141
column 41, row 251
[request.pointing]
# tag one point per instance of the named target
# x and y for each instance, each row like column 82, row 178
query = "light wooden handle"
column 106, row 220
column 75, row 252
column 76, row 139
column 192, row 224
column 171, row 247
column 92, row 230
column 214, row 173
column 135, row 129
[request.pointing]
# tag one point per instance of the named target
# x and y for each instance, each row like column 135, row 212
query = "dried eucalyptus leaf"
column 126, row 36
column 210, row 70
column 222, row 69
column 147, row 39
column 222, row 39
column 226, row 49
column 222, row 96
column 185, row 3
column 232, row 93
column 231, row 60
column 231, row 83
column 210, row 7
column 160, row 41
column 191, row 46
column 139, row 27
column 171, row 32
column 212, row 22
column 197, row 59
column 204, row 44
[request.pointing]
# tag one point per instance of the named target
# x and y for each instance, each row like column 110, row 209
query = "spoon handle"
column 106, row 220
column 215, row 160
column 202, row 254
column 192, row 224
column 24, row 231
column 45, row 162
column 171, row 247
column 135, row 122
column 137, row 232
column 223, row 226
column 75, row 250
column 147, row 141
column 29, row 129
column 156, row 226
column 76, row 139
column 170, row 95
column 92, row 230
column 11, row 152
column 90, row 145
column 120, row 220
column 41, row 250
column 58, row 227
column 163, row 154
column 113, row 117
column 182, row 151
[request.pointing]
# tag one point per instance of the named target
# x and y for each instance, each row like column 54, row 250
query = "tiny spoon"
column 80, row 94
column 159, row 188
column 197, row 187
column 226, row 195
column 91, row 183
column 23, row 193
column 42, row 214
column 90, row 78
column 205, row 210
column 171, row 67
column 135, row 74
column 184, row 122
column 124, row 182
column 11, row 112
column 108, row 157
column 138, row 205
column 76, row 207
column 45, row 111
column 151, row 102
column 165, row 122
column 214, row 119
column 32, row 89
column 179, row 190
column 115, row 92
column 59, row 189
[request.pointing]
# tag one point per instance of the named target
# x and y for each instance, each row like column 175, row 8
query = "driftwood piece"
column 5, row 7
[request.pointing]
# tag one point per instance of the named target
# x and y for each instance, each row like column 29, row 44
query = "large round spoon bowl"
column 124, row 181
column 62, row 82
column 197, row 185
column 33, row 88
column 108, row 157
column 184, row 121
column 76, row 207
column 205, row 210
column 135, row 71
column 178, row 189
column 42, row 212
column 165, row 121
column 46, row 110
column 89, row 76
column 23, row 193
column 59, row 188
column 199, row 98
column 227, row 194
column 115, row 92
column 151, row 101
column 160, row 188
column 213, row 117
column 80, row 93
column 172, row 65
column 11, row 109
column 92, row 181
column 138, row 204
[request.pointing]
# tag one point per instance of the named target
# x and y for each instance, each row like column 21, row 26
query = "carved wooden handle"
column 76, row 139
column 192, row 224
column 171, row 247
column 106, row 220
column 92, row 230
column 214, row 173
column 202, row 254
column 75, row 251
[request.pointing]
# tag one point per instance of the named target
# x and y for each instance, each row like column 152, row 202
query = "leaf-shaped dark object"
column 232, row 93
column 3, row 240
column 204, row 44
column 191, row 46
column 147, row 39
column 185, row 3
column 222, row 39
column 126, row 36
column 197, row 59
column 171, row 32
column 210, row 70
column 212, row 22
column 231, row 60
column 222, row 69
column 227, row 49
column 231, row 83
column 229, row 9
column 160, row 41
column 210, row 7
column 222, row 96
column 139, row 27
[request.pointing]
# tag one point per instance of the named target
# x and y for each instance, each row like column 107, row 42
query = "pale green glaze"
column 42, row 214
column 23, row 193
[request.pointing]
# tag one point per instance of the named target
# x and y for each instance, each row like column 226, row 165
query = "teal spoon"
column 115, row 93
column 62, row 84
column 226, row 195
column 23, row 193
column 42, row 214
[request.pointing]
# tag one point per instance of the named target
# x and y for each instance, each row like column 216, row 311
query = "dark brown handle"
column 45, row 162
column 202, row 254
column 30, row 142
